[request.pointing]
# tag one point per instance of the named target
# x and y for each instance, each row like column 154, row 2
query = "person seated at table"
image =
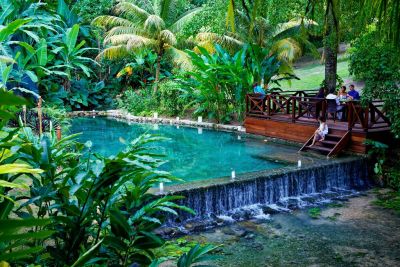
column 334, row 105
column 353, row 94
column 322, row 130
column 257, row 89
column 342, row 94
column 321, row 93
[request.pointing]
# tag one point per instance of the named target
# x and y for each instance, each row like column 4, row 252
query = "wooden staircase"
column 335, row 141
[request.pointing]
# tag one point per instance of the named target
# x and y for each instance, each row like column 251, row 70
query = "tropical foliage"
column 378, row 64
column 74, row 207
column 220, row 81
column 134, row 28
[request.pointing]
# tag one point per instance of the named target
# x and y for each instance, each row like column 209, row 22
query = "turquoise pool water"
column 192, row 154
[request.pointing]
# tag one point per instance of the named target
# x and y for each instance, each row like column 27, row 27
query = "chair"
column 331, row 109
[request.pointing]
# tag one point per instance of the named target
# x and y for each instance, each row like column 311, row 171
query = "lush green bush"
column 166, row 101
column 219, row 82
column 378, row 64
column 138, row 102
column 169, row 98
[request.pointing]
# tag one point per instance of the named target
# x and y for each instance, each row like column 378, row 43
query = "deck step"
column 329, row 142
column 336, row 136
column 320, row 148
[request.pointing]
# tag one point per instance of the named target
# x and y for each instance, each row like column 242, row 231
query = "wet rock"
column 169, row 232
column 310, row 199
column 269, row 210
column 235, row 231
column 217, row 219
column 197, row 226
column 250, row 236
column 293, row 203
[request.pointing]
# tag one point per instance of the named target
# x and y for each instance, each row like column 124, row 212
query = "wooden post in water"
column 58, row 132
column 24, row 114
column 40, row 115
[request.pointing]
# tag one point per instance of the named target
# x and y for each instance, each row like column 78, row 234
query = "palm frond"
column 131, row 10
column 109, row 22
column 168, row 37
column 184, row 19
column 140, row 42
column 180, row 58
column 121, row 30
column 114, row 52
column 166, row 8
column 287, row 49
column 224, row 40
column 154, row 24
column 120, row 39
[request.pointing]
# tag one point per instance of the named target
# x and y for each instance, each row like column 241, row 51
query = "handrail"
column 302, row 107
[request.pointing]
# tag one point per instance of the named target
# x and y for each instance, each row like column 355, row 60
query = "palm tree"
column 248, row 26
column 133, row 28
column 331, row 38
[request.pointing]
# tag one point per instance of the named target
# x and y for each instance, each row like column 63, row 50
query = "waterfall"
column 269, row 188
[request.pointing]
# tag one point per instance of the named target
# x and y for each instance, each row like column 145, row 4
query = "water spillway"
column 332, row 176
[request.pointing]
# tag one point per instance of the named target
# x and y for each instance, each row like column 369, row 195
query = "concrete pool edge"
column 249, row 176
column 121, row 114
column 222, row 196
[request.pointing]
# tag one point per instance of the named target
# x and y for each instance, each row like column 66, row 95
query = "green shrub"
column 166, row 101
column 138, row 102
column 378, row 64
column 170, row 102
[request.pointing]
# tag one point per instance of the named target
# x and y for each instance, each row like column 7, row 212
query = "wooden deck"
column 293, row 116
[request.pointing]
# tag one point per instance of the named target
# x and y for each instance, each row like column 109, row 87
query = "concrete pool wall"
column 219, row 196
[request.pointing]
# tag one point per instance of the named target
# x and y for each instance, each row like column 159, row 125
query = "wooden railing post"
column 293, row 99
column 268, row 105
column 372, row 110
column 366, row 118
column 350, row 114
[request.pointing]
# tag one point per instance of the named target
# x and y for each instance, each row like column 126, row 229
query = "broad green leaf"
column 18, row 168
column 42, row 52
column 72, row 37
column 11, row 28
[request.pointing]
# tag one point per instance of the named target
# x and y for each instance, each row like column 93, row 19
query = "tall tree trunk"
column 331, row 43
column 158, row 70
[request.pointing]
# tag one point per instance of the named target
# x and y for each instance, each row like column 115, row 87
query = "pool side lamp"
column 94, row 113
column 233, row 174
column 161, row 187
column 177, row 118
column 299, row 163
column 155, row 115
column 199, row 119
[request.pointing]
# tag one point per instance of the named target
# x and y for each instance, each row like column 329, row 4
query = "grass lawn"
column 312, row 75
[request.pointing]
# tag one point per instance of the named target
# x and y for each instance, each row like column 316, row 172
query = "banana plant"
column 71, row 57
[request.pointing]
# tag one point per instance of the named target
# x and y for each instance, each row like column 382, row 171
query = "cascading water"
column 337, row 176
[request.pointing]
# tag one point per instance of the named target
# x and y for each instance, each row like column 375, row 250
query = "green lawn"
column 312, row 75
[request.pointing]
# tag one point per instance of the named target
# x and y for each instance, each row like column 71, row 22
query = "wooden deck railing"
column 302, row 106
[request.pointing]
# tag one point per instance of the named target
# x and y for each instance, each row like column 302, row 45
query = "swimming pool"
column 192, row 153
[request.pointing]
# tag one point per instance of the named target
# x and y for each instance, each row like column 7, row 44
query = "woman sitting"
column 322, row 130
column 342, row 94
